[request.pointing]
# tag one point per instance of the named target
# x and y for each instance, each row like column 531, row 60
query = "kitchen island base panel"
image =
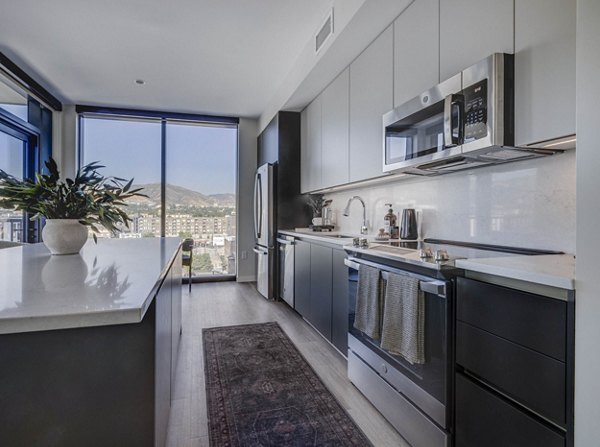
column 91, row 386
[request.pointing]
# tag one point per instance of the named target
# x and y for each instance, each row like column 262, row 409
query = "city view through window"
column 200, row 182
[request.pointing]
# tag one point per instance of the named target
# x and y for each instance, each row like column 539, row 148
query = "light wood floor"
column 230, row 303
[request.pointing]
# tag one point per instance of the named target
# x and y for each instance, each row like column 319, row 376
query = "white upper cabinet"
column 544, row 69
column 310, row 155
column 471, row 30
column 371, row 95
column 334, row 145
column 416, row 67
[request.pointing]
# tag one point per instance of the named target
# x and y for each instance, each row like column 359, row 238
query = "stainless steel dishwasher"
column 286, row 268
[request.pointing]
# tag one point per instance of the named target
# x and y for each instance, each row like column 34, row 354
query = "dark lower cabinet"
column 321, row 290
column 339, row 302
column 514, row 362
column 485, row 419
column 302, row 278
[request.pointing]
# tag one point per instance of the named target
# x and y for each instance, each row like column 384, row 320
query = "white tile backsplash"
column 525, row 204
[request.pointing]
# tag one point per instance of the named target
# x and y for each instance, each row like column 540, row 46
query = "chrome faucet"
column 363, row 229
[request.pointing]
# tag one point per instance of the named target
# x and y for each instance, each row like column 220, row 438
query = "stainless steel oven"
column 415, row 398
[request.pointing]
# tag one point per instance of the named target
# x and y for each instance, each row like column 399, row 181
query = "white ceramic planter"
column 64, row 236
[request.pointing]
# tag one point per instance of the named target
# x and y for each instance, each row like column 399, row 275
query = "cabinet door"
column 371, row 95
column 339, row 305
column 471, row 30
column 416, row 67
column 484, row 419
column 334, row 148
column 544, row 69
column 302, row 278
column 311, row 160
column 268, row 143
column 320, row 289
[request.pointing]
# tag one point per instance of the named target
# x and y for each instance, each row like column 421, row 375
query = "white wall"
column 248, row 132
column 587, row 313
column 529, row 204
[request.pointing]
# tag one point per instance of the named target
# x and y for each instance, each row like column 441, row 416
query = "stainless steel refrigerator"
column 264, row 229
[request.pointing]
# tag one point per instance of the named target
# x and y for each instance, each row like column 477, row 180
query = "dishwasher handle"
column 286, row 241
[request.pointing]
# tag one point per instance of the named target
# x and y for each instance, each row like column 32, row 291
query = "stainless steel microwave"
column 464, row 122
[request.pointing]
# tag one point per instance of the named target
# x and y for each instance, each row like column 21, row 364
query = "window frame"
column 98, row 112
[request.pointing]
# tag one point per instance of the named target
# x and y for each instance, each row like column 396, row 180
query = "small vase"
column 64, row 236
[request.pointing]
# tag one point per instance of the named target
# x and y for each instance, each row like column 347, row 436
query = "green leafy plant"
column 92, row 199
column 316, row 202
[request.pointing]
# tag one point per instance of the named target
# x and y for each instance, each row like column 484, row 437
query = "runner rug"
column 261, row 392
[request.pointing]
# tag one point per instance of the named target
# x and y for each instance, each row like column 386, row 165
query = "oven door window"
column 431, row 375
column 416, row 135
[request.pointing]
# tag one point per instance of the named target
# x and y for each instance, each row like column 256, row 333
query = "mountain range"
column 182, row 196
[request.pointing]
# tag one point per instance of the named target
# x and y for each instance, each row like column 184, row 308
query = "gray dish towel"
column 403, row 327
column 369, row 302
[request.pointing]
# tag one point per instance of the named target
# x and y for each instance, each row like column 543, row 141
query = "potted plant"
column 70, row 207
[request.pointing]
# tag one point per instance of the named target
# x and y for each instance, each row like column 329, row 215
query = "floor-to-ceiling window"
column 12, row 151
column 20, row 152
column 186, row 167
column 200, row 193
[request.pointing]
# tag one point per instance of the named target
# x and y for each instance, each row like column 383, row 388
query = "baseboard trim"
column 247, row 278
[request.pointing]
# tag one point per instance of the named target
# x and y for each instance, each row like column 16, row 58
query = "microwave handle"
column 452, row 102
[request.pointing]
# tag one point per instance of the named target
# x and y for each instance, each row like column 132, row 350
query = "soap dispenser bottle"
column 390, row 223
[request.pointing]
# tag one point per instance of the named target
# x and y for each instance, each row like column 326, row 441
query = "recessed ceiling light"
column 140, row 81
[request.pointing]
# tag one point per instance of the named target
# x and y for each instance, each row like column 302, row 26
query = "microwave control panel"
column 475, row 111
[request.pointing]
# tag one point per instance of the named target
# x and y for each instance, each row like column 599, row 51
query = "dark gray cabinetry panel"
column 176, row 275
column 302, row 279
column 530, row 320
column 339, row 304
column 516, row 349
column 320, row 289
column 534, row 379
column 483, row 419
column 162, row 361
column 279, row 144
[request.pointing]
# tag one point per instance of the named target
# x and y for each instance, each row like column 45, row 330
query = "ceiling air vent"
column 324, row 32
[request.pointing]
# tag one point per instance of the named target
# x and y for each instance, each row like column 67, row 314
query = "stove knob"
column 441, row 255
column 425, row 253
column 384, row 369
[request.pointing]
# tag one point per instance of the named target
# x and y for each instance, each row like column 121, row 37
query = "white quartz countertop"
column 112, row 282
column 551, row 270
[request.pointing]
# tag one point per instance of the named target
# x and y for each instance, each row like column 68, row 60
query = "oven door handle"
column 436, row 287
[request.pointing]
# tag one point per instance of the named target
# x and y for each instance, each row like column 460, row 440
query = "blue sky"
column 200, row 158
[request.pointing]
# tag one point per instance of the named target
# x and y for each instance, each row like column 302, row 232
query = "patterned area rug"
column 261, row 392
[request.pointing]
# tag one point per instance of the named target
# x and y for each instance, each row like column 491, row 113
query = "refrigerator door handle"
column 256, row 232
column 258, row 251
column 260, row 207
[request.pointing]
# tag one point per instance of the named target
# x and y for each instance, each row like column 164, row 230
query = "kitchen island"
column 89, row 342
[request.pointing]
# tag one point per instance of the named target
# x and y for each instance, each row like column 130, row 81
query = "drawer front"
column 411, row 423
column 484, row 419
column 533, row 379
column 530, row 320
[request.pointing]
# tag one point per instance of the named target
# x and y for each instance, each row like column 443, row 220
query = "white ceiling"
column 224, row 57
